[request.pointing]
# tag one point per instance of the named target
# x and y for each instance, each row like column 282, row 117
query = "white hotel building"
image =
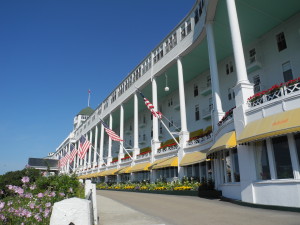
column 219, row 55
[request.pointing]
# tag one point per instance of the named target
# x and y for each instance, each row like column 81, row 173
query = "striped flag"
column 63, row 161
column 150, row 106
column 110, row 133
column 74, row 152
column 84, row 145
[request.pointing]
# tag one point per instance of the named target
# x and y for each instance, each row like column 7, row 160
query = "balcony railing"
column 274, row 92
column 143, row 155
column 199, row 139
column 167, row 148
column 228, row 116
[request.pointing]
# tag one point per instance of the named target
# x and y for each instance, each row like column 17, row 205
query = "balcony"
column 142, row 124
column 199, row 139
column 168, row 148
column 254, row 65
column 206, row 113
column 143, row 155
column 275, row 92
column 206, row 91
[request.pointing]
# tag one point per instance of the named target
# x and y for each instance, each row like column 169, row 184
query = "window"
column 210, row 104
column 170, row 102
column 144, row 137
column 256, row 81
column 201, row 6
column 202, row 171
column 297, row 141
column 195, row 90
column 229, row 94
column 281, row 43
column 236, row 168
column 252, row 55
column 183, row 33
column 262, row 161
column 188, row 26
column 196, row 16
column 160, row 129
column 229, row 68
column 287, row 71
column 208, row 81
column 171, row 122
column 197, row 113
column 228, row 166
column 144, row 119
column 282, row 158
column 189, row 171
column 196, row 170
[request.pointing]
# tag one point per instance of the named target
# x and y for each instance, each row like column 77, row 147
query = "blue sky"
column 53, row 51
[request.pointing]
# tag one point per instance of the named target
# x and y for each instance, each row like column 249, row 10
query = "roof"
column 86, row 111
column 39, row 162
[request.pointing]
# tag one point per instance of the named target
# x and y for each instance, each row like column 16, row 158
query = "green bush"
column 14, row 178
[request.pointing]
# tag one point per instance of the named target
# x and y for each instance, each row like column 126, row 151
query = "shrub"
column 32, row 203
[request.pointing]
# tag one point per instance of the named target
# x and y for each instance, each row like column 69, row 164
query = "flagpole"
column 157, row 116
column 169, row 132
column 89, row 96
column 126, row 151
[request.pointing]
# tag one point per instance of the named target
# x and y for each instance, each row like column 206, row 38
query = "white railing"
column 199, row 140
column 141, row 156
column 90, row 194
column 274, row 94
column 167, row 149
column 126, row 159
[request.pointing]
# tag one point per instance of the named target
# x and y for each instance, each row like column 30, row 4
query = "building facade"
column 225, row 80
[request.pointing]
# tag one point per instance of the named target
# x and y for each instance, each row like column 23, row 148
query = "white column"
column 184, row 134
column 155, row 139
column 136, row 126
column 109, row 157
column 95, row 146
column 101, row 146
column 121, row 153
column 293, row 154
column 271, row 159
column 243, row 87
column 218, row 109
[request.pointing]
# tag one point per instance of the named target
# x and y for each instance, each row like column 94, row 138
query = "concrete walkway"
column 111, row 212
column 129, row 208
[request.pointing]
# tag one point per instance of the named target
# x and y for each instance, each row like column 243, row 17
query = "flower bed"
column 227, row 115
column 274, row 92
column 32, row 202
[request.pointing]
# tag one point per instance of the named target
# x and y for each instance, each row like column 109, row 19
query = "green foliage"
column 60, row 183
column 14, row 178
column 32, row 202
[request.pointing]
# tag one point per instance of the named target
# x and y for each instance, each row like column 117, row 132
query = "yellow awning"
column 227, row 141
column 123, row 170
column 193, row 158
column 278, row 124
column 167, row 162
column 108, row 172
column 140, row 167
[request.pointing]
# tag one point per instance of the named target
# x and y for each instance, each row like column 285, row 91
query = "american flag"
column 110, row 133
column 74, row 152
column 63, row 161
column 84, row 145
column 150, row 106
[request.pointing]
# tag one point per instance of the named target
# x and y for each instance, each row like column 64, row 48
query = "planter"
column 209, row 194
column 166, row 192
